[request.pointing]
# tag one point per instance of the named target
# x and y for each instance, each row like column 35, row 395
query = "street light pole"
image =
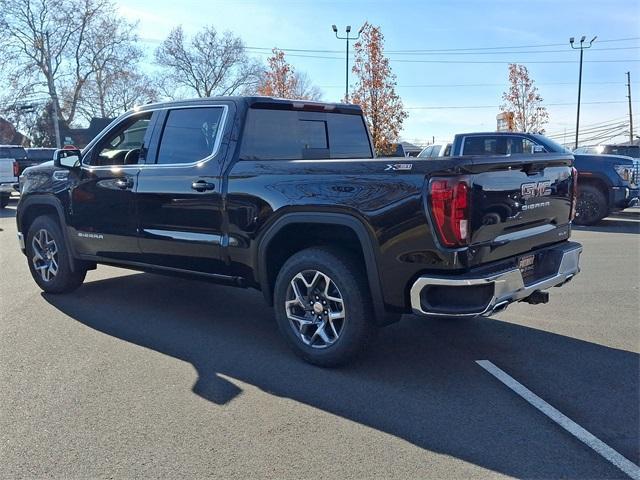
column 582, row 47
column 54, row 96
column 348, row 39
column 630, row 112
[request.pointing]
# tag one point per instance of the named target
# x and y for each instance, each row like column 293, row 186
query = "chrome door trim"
column 186, row 236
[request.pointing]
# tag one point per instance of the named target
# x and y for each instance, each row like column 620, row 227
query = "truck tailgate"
column 520, row 202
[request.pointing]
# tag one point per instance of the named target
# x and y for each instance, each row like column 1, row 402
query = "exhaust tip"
column 500, row 307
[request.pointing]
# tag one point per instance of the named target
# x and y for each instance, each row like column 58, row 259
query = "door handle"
column 202, row 186
column 124, row 183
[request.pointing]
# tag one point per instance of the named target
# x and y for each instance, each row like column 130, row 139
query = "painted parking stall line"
column 565, row 422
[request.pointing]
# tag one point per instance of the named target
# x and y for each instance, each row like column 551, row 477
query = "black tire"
column 592, row 205
column 64, row 279
column 4, row 200
column 356, row 328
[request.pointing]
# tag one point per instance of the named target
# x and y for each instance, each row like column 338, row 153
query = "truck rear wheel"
column 48, row 257
column 592, row 205
column 4, row 200
column 323, row 306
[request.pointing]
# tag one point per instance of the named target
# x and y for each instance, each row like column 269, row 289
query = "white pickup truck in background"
column 8, row 179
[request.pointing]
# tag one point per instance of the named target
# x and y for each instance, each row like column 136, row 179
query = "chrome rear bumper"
column 508, row 286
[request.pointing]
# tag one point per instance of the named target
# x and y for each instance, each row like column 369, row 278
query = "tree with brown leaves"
column 282, row 80
column 524, row 101
column 375, row 89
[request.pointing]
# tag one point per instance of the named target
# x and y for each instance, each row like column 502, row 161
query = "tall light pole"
column 582, row 47
column 348, row 39
column 630, row 112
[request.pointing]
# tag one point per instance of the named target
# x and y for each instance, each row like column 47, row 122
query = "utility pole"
column 348, row 39
column 630, row 113
column 53, row 94
column 582, row 47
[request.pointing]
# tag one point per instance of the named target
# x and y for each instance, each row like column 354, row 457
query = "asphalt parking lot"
column 142, row 375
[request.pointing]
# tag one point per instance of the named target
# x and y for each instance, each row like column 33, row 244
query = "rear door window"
column 189, row 135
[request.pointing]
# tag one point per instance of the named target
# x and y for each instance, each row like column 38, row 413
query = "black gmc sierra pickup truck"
column 288, row 197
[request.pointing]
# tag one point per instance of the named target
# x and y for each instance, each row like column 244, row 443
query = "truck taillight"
column 16, row 168
column 449, row 204
column 574, row 193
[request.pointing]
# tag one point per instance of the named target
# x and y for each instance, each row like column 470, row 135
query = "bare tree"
column 305, row 88
column 115, row 93
column 115, row 86
column 209, row 64
column 57, row 46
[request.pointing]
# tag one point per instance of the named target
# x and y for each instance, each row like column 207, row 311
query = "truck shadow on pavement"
column 418, row 382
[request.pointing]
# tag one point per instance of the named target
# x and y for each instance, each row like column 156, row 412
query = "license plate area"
column 527, row 266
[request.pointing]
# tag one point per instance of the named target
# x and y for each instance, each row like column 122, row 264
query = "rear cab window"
column 301, row 135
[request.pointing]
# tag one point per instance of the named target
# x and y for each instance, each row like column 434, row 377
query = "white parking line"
column 565, row 422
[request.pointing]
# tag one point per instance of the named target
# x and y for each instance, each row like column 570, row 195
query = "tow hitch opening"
column 537, row 297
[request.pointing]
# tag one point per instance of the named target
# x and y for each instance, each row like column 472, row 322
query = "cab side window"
column 123, row 146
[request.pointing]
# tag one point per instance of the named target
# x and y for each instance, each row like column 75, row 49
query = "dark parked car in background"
column 34, row 156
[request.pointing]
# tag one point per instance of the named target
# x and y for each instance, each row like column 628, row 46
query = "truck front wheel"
column 591, row 206
column 48, row 257
column 323, row 306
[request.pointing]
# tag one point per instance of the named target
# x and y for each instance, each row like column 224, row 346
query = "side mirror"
column 67, row 158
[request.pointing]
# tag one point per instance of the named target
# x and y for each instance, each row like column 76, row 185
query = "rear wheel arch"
column 296, row 231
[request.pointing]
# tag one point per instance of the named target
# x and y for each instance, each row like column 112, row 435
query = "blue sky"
column 439, row 25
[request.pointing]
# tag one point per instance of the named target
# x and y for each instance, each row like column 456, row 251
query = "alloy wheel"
column 315, row 308
column 45, row 255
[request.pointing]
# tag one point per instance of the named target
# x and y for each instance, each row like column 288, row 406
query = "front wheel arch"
column 35, row 206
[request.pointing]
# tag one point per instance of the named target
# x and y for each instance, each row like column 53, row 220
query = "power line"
column 457, row 85
column 498, row 106
column 592, row 128
column 399, row 52
column 606, row 122
column 443, row 50
column 596, row 132
column 500, row 62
